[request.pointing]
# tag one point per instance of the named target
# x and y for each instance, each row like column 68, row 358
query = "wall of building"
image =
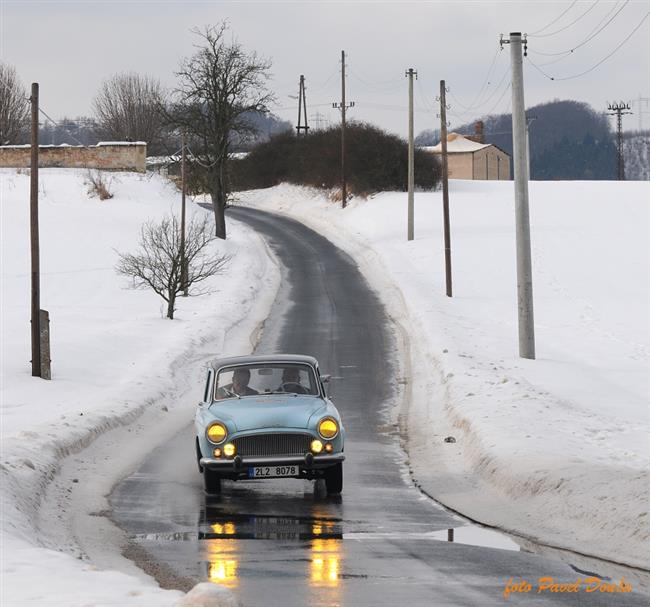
column 491, row 163
column 459, row 166
column 115, row 156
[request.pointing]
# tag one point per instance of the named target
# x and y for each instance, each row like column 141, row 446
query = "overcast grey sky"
column 69, row 47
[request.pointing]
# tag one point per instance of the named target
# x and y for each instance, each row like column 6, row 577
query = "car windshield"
column 265, row 378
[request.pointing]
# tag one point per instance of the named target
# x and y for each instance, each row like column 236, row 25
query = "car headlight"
column 328, row 428
column 216, row 433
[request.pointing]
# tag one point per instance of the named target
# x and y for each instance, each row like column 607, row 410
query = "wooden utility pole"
column 522, row 216
column 302, row 107
column 33, row 224
column 445, row 185
column 342, row 106
column 183, row 260
column 411, row 159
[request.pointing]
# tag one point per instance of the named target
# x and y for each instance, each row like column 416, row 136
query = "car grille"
column 262, row 445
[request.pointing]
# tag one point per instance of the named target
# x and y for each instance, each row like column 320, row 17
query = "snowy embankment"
column 554, row 449
column 118, row 367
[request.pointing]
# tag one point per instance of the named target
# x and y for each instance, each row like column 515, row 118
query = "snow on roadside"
column 113, row 355
column 554, row 449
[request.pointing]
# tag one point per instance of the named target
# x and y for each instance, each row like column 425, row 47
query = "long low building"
column 467, row 159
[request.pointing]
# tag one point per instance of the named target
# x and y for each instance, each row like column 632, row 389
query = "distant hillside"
column 568, row 140
column 636, row 151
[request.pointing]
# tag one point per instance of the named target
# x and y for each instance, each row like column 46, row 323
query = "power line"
column 556, row 19
column 55, row 123
column 474, row 103
column 489, row 98
column 382, row 86
column 593, row 67
column 589, row 37
column 566, row 26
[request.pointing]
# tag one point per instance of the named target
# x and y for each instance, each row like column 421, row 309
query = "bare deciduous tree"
column 219, row 86
column 129, row 107
column 14, row 106
column 158, row 263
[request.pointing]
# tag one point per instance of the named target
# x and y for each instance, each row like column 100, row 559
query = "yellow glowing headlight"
column 229, row 450
column 316, row 446
column 328, row 428
column 216, row 433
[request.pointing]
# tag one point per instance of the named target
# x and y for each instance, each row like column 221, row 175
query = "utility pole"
column 34, row 240
column 183, row 188
column 618, row 109
column 522, row 217
column 319, row 119
column 302, row 106
column 411, row 159
column 529, row 120
column 445, row 185
column 342, row 106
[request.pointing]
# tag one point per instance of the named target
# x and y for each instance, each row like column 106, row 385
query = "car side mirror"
column 325, row 378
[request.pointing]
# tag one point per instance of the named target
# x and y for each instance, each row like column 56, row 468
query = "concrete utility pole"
column 522, row 218
column 618, row 109
column 34, row 240
column 342, row 106
column 183, row 188
column 445, row 185
column 529, row 121
column 411, row 159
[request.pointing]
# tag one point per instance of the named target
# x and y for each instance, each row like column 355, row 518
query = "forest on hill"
column 568, row 140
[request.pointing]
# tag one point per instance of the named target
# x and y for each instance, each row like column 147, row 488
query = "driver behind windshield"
column 291, row 381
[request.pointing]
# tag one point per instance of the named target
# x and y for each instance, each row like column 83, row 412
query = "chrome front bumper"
column 238, row 463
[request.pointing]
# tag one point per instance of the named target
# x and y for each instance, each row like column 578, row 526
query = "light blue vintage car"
column 268, row 417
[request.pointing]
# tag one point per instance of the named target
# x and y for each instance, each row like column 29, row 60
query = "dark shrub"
column 375, row 161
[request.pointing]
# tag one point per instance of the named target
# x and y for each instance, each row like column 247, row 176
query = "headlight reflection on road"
column 325, row 562
column 223, row 562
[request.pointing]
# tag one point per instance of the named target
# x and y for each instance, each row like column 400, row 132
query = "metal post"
column 411, row 158
column 522, row 219
column 33, row 224
column 445, row 186
column 183, row 260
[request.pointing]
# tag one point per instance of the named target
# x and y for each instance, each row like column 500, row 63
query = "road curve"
column 284, row 542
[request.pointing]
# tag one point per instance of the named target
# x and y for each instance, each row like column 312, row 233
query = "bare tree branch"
column 157, row 265
column 14, row 107
column 220, row 84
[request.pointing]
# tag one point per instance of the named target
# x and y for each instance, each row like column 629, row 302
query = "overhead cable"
column 593, row 67
column 555, row 20
column 566, row 27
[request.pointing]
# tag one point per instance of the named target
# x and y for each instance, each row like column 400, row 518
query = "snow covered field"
column 117, row 366
column 557, row 448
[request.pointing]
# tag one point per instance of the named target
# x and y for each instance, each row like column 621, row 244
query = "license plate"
column 272, row 471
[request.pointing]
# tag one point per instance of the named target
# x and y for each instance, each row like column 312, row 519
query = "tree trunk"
column 170, row 307
column 218, row 195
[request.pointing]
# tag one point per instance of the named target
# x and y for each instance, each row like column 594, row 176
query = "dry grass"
column 98, row 185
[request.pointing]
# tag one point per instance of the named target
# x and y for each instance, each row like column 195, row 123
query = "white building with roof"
column 468, row 159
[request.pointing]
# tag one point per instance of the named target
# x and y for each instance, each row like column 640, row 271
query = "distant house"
column 471, row 159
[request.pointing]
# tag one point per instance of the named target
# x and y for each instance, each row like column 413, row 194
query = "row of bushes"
column 375, row 161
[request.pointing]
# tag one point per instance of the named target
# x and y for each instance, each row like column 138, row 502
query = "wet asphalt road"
column 284, row 542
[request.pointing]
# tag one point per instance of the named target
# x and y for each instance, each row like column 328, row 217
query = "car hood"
column 271, row 411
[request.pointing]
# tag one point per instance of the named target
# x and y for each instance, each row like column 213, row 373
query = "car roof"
column 263, row 358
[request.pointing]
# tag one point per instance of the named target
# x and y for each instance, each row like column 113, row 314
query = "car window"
column 267, row 378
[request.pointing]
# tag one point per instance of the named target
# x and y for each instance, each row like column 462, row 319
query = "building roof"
column 457, row 144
